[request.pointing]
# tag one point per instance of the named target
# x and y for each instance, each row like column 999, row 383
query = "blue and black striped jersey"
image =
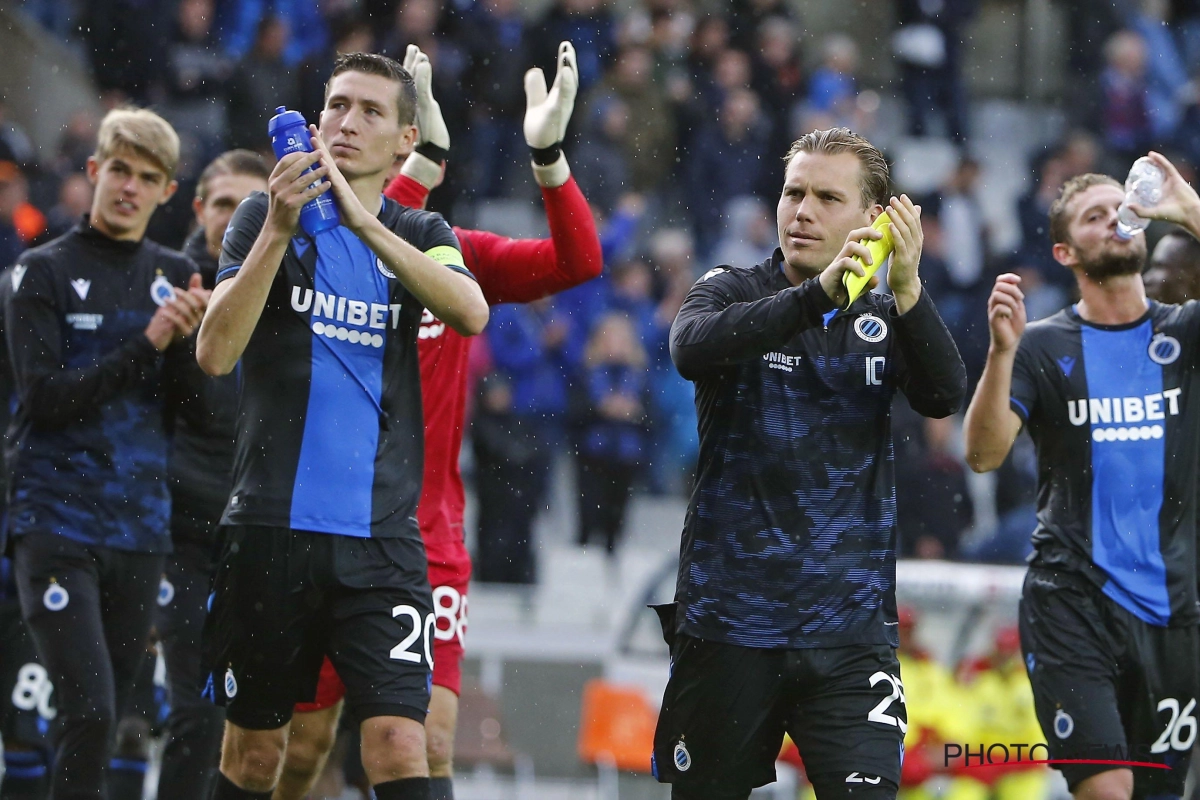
column 1113, row 413
column 790, row 536
column 330, row 435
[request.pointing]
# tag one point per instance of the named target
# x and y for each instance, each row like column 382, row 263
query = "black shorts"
column 283, row 599
column 1106, row 685
column 726, row 709
column 27, row 709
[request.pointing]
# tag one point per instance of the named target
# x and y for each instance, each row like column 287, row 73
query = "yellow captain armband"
column 444, row 254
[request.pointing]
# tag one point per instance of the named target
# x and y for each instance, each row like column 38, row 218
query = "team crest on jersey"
column 166, row 592
column 383, row 270
column 710, row 273
column 55, row 597
column 1064, row 726
column 1164, row 349
column 161, row 291
column 683, row 759
column 230, row 684
column 870, row 328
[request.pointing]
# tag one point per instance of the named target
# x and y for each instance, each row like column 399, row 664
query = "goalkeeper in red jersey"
column 508, row 271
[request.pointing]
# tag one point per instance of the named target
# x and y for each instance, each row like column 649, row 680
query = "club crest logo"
column 870, row 328
column 166, row 592
column 1064, row 726
column 230, row 684
column 683, row 759
column 383, row 270
column 1164, row 349
column 161, row 291
column 56, row 597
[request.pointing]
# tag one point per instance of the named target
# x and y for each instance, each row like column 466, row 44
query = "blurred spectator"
column 750, row 234
column 928, row 47
column 833, row 87
column 998, row 699
column 587, row 24
column 747, row 16
column 964, row 225
column 933, row 503
column 239, row 23
column 1126, row 120
column 495, row 40
column 348, row 33
column 260, row 83
column 729, row 160
column 74, row 200
column 779, row 75
column 599, row 162
column 1174, row 272
column 1167, row 84
column 518, row 428
column 676, row 443
column 935, row 707
column 196, row 74
column 11, row 200
column 1036, row 261
column 613, row 419
column 15, row 144
column 649, row 135
column 419, row 22
column 77, row 144
column 126, row 40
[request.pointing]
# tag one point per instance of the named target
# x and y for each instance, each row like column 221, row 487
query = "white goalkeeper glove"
column 424, row 164
column 547, row 114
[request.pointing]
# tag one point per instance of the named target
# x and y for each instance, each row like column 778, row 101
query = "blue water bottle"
column 289, row 134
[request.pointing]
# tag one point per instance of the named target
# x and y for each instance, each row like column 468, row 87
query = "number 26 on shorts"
column 404, row 650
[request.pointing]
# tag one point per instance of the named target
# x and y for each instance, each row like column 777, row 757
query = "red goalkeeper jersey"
column 508, row 271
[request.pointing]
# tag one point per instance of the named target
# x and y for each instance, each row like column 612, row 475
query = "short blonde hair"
column 141, row 131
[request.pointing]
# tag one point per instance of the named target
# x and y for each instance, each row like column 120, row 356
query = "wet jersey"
column 87, row 447
column 790, row 535
column 1114, row 413
column 329, row 421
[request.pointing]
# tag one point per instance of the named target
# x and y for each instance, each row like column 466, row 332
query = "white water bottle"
column 1143, row 187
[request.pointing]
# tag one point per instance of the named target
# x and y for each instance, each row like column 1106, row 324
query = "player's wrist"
column 422, row 169
column 553, row 174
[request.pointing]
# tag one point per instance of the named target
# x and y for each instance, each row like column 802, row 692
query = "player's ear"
column 169, row 192
column 1064, row 254
column 875, row 211
column 198, row 210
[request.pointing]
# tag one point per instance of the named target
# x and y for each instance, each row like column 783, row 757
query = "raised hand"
column 1006, row 312
column 431, row 126
column 548, row 112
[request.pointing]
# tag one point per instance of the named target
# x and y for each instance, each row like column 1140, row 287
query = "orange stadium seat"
column 616, row 726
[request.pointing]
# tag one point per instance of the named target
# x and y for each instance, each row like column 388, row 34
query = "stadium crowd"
column 684, row 111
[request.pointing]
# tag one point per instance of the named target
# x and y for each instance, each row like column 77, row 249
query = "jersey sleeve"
column 524, row 270
column 51, row 394
column 436, row 240
column 245, row 225
column 718, row 325
column 1022, row 395
column 934, row 378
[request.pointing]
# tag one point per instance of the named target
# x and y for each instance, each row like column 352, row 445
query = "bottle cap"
column 283, row 119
